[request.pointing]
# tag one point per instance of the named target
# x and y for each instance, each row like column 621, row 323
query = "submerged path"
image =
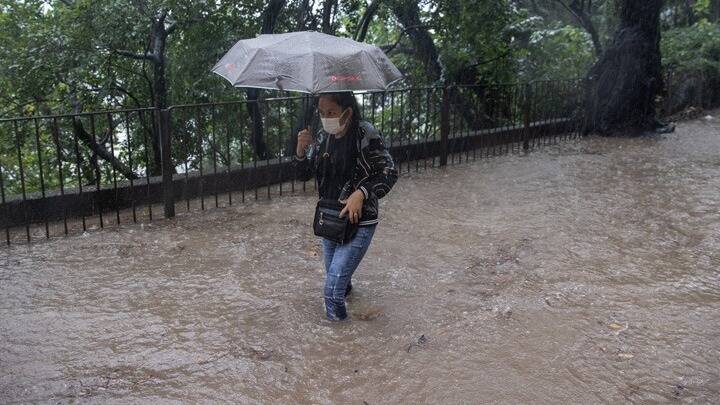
column 585, row 272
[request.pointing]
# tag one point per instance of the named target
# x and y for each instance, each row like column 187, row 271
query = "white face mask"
column 332, row 125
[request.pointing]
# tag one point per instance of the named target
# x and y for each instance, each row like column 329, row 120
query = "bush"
column 691, row 59
column 563, row 52
column 694, row 49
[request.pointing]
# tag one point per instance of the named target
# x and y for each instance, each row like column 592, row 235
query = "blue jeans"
column 341, row 260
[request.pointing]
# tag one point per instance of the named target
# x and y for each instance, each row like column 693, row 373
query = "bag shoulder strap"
column 325, row 159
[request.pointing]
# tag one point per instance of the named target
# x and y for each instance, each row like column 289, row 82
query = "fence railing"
column 688, row 90
column 66, row 173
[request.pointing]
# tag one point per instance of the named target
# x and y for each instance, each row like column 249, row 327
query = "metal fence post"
column 668, row 94
column 167, row 165
column 701, row 91
column 444, row 125
column 526, row 116
column 585, row 108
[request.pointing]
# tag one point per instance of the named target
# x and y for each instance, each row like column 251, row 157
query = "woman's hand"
column 304, row 139
column 353, row 206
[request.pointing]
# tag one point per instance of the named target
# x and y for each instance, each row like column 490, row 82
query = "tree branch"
column 127, row 93
column 537, row 10
column 571, row 11
column 270, row 15
column 302, row 13
column 169, row 30
column 578, row 11
column 407, row 50
column 141, row 7
column 161, row 15
column 127, row 70
column 133, row 55
column 101, row 151
column 367, row 18
column 327, row 12
column 389, row 47
column 485, row 62
column 96, row 148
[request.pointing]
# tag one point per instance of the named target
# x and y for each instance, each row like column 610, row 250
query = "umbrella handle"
column 309, row 113
column 305, row 107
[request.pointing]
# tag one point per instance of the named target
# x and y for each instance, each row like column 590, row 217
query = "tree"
column 83, row 55
column 329, row 8
column 269, row 21
column 408, row 13
column 623, row 84
column 366, row 19
column 155, row 53
column 582, row 10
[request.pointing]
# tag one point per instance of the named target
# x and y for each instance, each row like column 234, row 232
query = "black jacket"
column 374, row 173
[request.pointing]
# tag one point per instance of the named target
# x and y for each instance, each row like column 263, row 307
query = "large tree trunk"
column 269, row 18
column 690, row 18
column 623, row 84
column 159, row 42
column 714, row 10
column 327, row 13
column 155, row 54
column 302, row 14
column 408, row 14
column 160, row 94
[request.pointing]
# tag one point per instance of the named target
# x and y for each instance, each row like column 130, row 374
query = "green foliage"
column 477, row 34
column 702, row 7
column 62, row 56
column 693, row 50
column 556, row 53
column 55, row 57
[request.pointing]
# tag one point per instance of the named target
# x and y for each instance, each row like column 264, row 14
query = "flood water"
column 584, row 272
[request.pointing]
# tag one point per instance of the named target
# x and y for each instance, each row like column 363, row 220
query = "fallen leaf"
column 617, row 326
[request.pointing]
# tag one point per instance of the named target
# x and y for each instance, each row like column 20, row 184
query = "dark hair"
column 346, row 99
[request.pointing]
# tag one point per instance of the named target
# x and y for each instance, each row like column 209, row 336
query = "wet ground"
column 585, row 272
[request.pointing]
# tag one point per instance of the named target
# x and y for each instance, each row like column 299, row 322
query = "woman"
column 351, row 164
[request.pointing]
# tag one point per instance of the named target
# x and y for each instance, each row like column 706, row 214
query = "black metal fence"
column 68, row 173
column 686, row 90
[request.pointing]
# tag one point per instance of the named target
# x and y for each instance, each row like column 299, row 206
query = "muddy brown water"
column 584, row 272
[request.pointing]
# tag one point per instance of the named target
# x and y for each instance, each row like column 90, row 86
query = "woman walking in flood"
column 352, row 165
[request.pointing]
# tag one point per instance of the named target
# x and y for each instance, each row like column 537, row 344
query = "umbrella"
column 308, row 62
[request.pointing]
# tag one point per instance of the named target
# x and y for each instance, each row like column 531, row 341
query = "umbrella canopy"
column 307, row 61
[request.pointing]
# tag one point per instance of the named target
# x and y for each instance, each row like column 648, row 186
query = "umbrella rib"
column 247, row 65
column 313, row 74
column 287, row 38
column 370, row 59
column 263, row 66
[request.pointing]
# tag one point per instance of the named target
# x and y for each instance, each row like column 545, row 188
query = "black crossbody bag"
column 327, row 222
column 329, row 225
